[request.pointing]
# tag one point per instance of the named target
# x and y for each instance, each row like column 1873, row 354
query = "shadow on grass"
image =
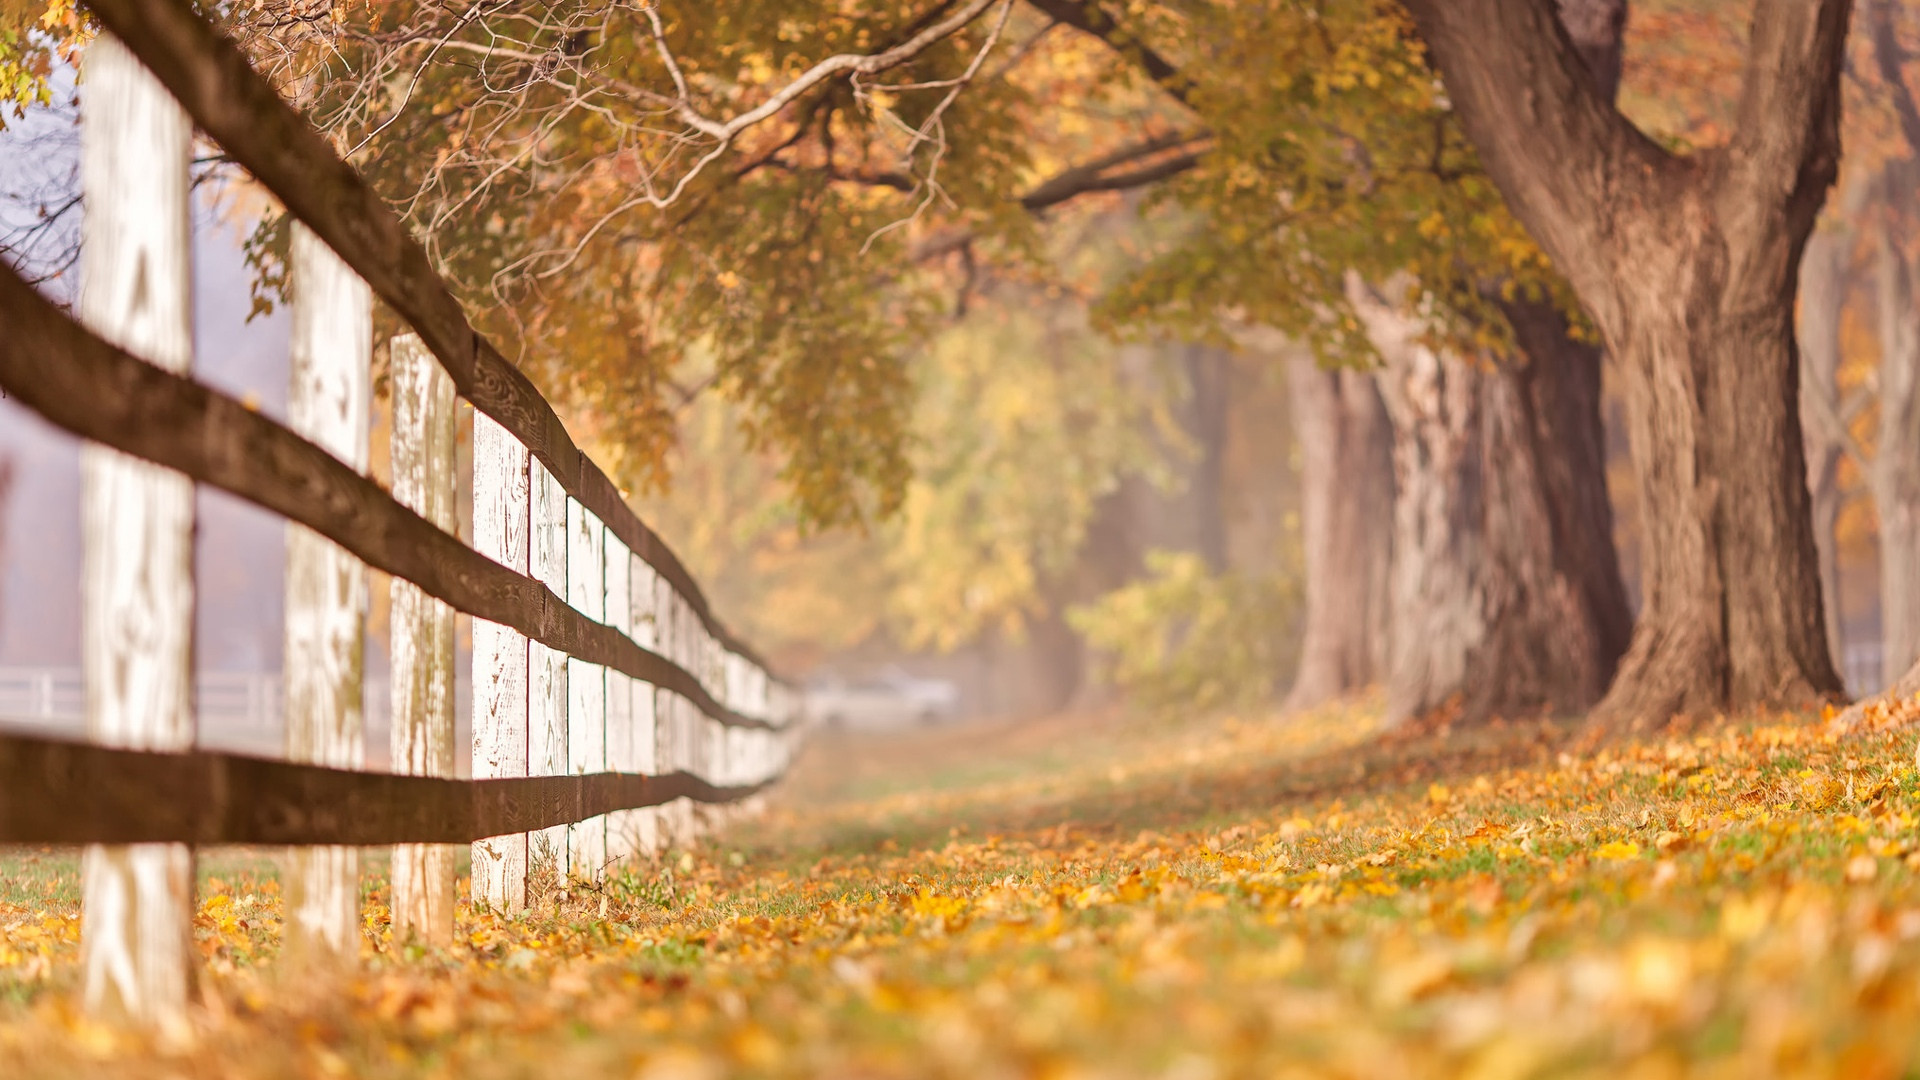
column 1167, row 799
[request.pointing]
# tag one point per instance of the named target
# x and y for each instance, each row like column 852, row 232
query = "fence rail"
column 142, row 797
column 607, row 698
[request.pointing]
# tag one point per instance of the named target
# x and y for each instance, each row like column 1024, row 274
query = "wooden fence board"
column 328, row 401
column 499, row 875
column 200, row 797
column 620, row 754
column 586, row 685
column 547, row 668
column 137, row 532
column 422, row 633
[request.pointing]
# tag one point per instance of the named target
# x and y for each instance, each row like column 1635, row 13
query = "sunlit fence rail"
column 607, row 700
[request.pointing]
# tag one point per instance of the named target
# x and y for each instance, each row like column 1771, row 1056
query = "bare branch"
column 851, row 63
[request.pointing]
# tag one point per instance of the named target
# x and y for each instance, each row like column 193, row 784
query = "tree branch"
column 723, row 131
column 1086, row 179
column 1821, row 409
column 1785, row 151
column 1089, row 17
column 1891, row 60
column 1549, row 137
column 1093, row 176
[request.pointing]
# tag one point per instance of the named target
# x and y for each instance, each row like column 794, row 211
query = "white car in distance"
column 890, row 700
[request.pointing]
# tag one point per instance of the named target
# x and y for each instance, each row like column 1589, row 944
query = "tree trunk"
column 1733, row 604
column 1823, row 294
column 1894, row 472
column 1507, row 598
column 1689, row 267
column 1346, row 495
column 1558, row 389
column 1209, row 371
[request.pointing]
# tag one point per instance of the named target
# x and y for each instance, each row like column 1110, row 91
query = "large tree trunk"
column 1346, row 514
column 1507, row 597
column 1894, row 472
column 1440, row 568
column 1689, row 267
column 1733, row 603
column 1209, row 371
column 1823, row 294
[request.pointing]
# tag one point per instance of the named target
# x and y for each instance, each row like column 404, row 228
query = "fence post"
column 137, row 547
column 667, row 742
column 499, row 656
column 546, row 668
column 642, row 584
column 328, row 402
column 586, row 686
column 421, row 637
column 620, row 755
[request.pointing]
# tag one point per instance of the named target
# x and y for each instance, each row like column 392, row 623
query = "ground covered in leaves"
column 1106, row 897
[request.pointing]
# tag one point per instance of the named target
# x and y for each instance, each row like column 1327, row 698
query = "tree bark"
column 1507, row 597
column 1346, row 516
column 1823, row 293
column 1894, row 471
column 1893, row 474
column 1689, row 267
column 1209, row 371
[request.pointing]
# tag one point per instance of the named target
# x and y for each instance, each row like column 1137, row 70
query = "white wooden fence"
column 613, row 671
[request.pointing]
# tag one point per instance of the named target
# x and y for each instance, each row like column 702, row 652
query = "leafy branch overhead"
column 620, row 186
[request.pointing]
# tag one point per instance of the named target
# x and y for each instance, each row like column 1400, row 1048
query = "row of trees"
column 1445, row 200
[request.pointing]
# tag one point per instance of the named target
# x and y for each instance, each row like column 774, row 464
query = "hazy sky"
column 239, row 548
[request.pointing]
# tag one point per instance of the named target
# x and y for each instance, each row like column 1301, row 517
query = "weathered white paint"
column 546, row 668
column 683, row 822
column 328, row 401
column 620, row 752
column 642, row 588
column 499, row 657
column 644, row 585
column 137, row 546
column 666, row 717
column 586, row 685
column 421, row 637
column 644, row 825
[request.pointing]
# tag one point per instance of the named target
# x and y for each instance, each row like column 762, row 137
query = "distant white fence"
column 56, row 697
column 246, row 703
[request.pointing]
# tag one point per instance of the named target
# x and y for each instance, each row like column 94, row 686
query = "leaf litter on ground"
column 1103, row 897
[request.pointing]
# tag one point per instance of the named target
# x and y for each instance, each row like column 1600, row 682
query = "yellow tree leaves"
column 1334, row 153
